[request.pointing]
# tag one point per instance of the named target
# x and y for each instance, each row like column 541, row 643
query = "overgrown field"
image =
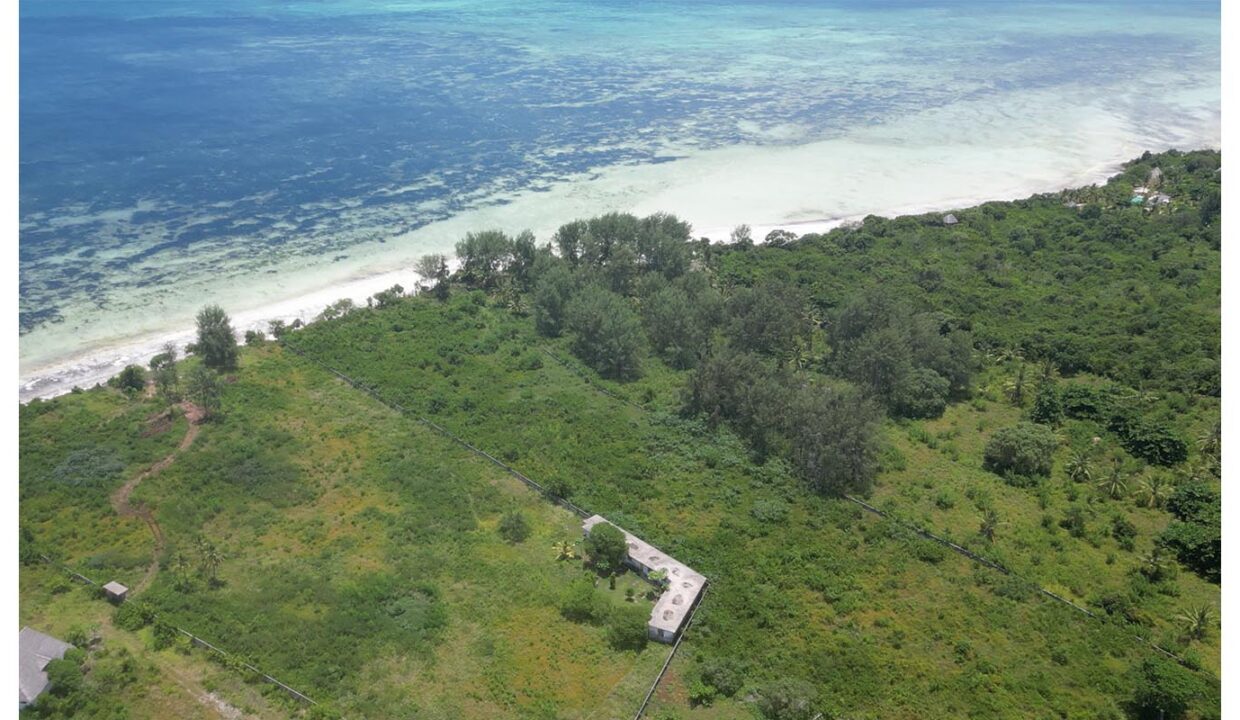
column 1037, row 382
column 881, row 623
column 361, row 561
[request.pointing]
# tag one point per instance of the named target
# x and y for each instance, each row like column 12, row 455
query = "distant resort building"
column 34, row 651
column 1158, row 199
column 682, row 589
column 950, row 219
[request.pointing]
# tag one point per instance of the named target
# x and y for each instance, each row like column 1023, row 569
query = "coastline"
column 90, row 367
column 939, row 159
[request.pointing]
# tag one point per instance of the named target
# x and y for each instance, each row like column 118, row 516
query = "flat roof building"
column 115, row 591
column 683, row 585
column 34, row 651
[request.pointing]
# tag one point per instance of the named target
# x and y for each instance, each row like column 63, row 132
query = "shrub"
column 1047, row 407
column 626, row 627
column 580, row 602
column 132, row 379
column 1074, row 521
column 513, row 527
column 1124, row 532
column 1165, row 690
column 1152, row 442
column 133, row 615
column 1084, row 402
column 1023, row 450
column 606, row 547
column 921, row 394
column 787, row 699
column 723, row 675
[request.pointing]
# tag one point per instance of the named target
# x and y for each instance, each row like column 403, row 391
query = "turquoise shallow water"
column 175, row 152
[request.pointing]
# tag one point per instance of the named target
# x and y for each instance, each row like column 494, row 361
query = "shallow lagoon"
column 275, row 156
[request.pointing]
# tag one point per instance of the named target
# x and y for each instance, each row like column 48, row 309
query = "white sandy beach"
column 953, row 157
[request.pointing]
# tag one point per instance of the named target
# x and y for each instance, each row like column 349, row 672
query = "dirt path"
column 120, row 498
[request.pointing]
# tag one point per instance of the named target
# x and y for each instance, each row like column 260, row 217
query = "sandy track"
column 120, row 498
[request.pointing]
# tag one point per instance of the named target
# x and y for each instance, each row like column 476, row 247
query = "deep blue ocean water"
column 165, row 139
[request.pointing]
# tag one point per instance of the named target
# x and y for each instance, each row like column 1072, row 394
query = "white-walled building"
column 683, row 586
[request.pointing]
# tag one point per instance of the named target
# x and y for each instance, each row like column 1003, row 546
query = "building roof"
column 115, row 588
column 684, row 584
column 1160, row 198
column 950, row 219
column 34, row 651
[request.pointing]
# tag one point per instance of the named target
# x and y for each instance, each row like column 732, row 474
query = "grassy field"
column 882, row 623
column 361, row 561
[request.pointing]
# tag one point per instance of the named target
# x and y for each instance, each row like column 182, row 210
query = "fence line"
column 520, row 476
column 590, row 381
column 372, row 392
column 667, row 663
column 995, row 566
column 197, row 640
column 945, row 542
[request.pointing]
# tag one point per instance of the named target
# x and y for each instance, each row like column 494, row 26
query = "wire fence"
column 373, row 392
column 641, row 709
column 926, row 534
column 996, row 566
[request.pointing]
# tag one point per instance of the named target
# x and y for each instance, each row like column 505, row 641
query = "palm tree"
column 1155, row 566
column 1115, row 484
column 180, row 566
column 1193, row 472
column 564, row 550
column 1078, row 467
column 990, row 523
column 1015, row 388
column 1154, row 491
column 210, row 559
column 1210, row 444
column 1196, row 621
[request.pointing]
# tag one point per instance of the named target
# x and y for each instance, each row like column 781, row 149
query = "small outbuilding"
column 34, row 651
column 1159, row 199
column 950, row 219
column 115, row 591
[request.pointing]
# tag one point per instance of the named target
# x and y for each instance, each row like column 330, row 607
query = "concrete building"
column 34, row 651
column 682, row 585
column 115, row 591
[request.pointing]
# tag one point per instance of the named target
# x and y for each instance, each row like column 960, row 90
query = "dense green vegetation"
column 1037, row 383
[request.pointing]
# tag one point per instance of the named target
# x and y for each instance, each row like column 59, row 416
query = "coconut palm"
column 1156, row 566
column 1015, row 388
column 1078, row 468
column 1115, row 484
column 180, row 567
column 1193, row 472
column 1196, row 621
column 564, row 550
column 1153, row 491
column 210, row 559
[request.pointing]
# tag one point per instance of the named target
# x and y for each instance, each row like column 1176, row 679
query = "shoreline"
column 93, row 366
